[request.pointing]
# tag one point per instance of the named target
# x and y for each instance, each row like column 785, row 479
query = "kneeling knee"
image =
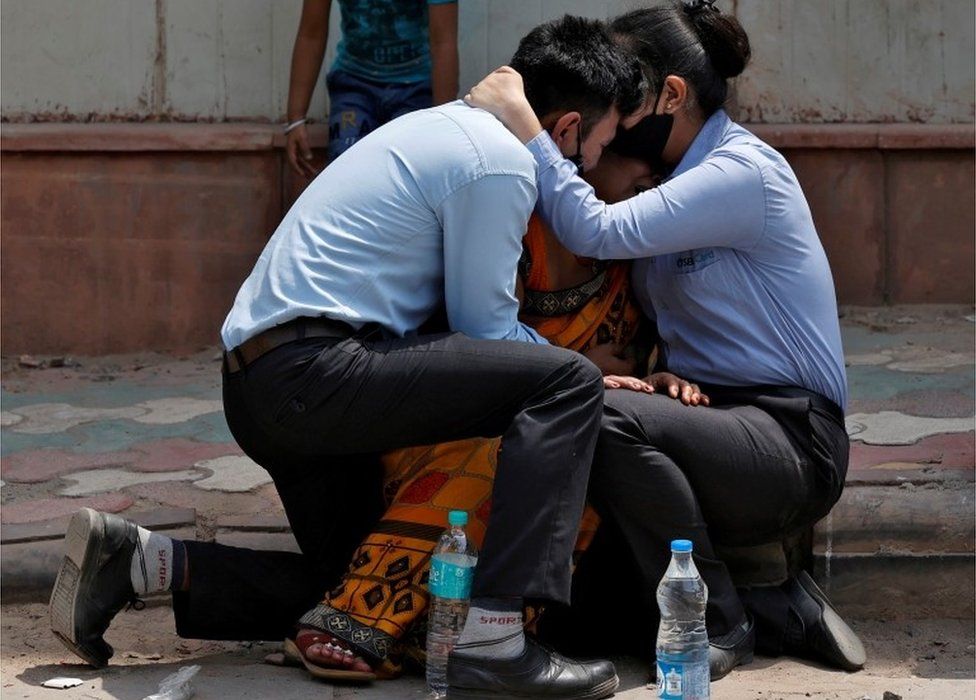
column 587, row 373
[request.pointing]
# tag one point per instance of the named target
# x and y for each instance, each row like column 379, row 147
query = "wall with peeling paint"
column 213, row 60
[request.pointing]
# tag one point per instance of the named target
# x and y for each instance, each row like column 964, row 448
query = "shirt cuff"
column 545, row 151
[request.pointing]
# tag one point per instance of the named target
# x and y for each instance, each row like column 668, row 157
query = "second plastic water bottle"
column 682, row 642
column 451, row 571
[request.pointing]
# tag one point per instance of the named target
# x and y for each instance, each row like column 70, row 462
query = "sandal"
column 294, row 655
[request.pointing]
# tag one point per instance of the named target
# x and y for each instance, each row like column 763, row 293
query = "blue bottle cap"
column 681, row 545
column 458, row 518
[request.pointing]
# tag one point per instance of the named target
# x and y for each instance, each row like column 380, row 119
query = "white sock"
column 492, row 634
column 152, row 563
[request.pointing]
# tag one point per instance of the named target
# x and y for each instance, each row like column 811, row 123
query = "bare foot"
column 332, row 654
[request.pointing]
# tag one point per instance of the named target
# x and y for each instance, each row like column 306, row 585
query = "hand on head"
column 499, row 89
column 502, row 93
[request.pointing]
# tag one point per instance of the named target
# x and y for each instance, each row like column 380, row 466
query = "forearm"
column 521, row 121
column 442, row 28
column 444, row 72
column 481, row 255
column 306, row 63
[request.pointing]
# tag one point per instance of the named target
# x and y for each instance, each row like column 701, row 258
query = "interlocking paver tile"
column 7, row 419
column 99, row 480
column 49, row 508
column 232, row 473
column 59, row 417
column 176, row 410
column 944, row 451
column 36, row 466
column 172, row 454
column 894, row 428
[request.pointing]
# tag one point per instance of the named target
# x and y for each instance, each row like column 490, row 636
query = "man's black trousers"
column 316, row 413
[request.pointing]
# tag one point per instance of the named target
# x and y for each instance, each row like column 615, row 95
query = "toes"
column 331, row 654
column 359, row 665
column 335, row 655
column 315, row 652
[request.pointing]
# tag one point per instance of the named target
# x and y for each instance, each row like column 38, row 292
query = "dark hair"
column 573, row 64
column 691, row 40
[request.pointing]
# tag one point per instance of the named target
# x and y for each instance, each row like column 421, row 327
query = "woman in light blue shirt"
column 729, row 266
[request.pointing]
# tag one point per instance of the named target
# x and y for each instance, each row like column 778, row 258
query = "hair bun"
column 724, row 39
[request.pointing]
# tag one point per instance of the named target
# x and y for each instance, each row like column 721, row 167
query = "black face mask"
column 647, row 138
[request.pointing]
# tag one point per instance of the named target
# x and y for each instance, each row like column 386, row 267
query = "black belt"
column 297, row 329
column 750, row 394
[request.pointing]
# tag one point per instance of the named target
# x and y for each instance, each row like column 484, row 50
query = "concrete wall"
column 815, row 60
column 123, row 237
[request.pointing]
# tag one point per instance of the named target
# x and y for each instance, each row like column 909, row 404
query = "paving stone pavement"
column 150, row 427
column 143, row 434
column 919, row 660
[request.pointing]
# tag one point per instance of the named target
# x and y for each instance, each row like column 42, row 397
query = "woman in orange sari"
column 380, row 604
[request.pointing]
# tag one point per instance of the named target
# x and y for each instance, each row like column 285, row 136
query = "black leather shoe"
column 93, row 583
column 537, row 673
column 816, row 630
column 731, row 649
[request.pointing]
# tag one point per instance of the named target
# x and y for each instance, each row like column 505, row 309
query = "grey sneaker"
column 94, row 583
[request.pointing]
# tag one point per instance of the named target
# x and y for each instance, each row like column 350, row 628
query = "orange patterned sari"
column 384, row 593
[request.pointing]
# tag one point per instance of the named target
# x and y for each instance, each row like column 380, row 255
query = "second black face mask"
column 646, row 139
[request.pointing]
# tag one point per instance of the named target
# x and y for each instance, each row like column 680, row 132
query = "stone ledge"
column 264, row 541
column 881, row 520
column 867, row 136
column 158, row 519
column 249, row 136
column 899, row 586
column 251, row 523
column 149, row 137
column 885, row 475
column 28, row 569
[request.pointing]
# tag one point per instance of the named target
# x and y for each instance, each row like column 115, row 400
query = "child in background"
column 394, row 56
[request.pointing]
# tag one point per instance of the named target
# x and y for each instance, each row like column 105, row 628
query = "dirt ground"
column 928, row 659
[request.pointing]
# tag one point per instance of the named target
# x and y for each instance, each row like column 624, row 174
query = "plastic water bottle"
column 451, row 571
column 682, row 642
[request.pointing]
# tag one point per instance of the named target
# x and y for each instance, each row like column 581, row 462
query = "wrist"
column 523, row 123
column 294, row 124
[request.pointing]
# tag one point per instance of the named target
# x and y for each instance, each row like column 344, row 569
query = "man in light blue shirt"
column 431, row 211
column 326, row 367
column 325, row 356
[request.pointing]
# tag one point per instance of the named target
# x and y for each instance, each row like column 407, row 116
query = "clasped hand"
column 675, row 387
column 617, row 370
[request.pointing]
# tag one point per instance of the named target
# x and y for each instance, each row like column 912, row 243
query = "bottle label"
column 678, row 679
column 448, row 580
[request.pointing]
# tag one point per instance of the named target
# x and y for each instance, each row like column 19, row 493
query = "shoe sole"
column 603, row 690
column 842, row 637
column 64, row 597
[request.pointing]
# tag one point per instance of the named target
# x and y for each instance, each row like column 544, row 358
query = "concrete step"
column 900, row 543
column 30, row 553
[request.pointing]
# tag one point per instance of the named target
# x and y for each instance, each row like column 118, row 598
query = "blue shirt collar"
column 706, row 141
